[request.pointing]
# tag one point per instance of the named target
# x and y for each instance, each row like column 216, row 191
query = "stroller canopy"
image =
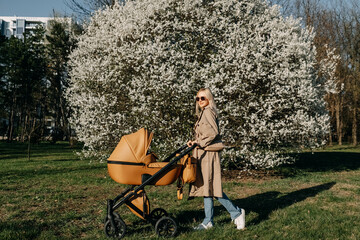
column 132, row 147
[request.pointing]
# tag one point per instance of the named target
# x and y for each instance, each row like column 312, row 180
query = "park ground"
column 56, row 195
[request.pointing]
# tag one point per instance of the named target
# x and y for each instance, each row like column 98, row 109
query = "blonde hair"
column 210, row 97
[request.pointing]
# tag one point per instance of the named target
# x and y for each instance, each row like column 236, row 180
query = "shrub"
column 140, row 64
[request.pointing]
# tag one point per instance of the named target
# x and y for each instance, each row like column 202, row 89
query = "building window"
column 20, row 30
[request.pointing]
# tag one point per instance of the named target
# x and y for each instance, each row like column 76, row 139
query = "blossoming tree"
column 140, row 64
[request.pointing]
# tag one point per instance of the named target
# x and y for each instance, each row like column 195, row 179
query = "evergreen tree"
column 23, row 72
column 13, row 52
column 34, row 82
column 58, row 49
column 3, row 112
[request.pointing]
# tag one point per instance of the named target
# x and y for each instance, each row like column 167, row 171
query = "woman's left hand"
column 190, row 143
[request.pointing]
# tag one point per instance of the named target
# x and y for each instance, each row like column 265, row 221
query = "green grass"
column 58, row 196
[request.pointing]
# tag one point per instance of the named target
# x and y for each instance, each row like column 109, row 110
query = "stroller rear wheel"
column 117, row 232
column 166, row 227
column 156, row 214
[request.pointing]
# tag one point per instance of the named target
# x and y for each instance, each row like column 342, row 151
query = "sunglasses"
column 200, row 98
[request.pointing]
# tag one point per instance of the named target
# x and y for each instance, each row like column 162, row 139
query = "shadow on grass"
column 189, row 217
column 263, row 204
column 320, row 162
column 24, row 229
column 328, row 161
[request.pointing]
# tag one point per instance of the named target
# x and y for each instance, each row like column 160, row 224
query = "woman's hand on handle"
column 190, row 143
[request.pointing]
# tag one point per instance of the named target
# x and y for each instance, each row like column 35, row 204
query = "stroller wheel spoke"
column 117, row 232
column 166, row 227
column 156, row 214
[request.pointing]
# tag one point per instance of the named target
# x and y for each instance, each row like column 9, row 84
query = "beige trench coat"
column 208, row 180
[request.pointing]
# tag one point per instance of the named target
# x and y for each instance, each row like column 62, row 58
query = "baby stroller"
column 132, row 164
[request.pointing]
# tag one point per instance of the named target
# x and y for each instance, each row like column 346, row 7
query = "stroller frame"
column 164, row 225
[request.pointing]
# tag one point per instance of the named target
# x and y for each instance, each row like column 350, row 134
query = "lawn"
column 58, row 196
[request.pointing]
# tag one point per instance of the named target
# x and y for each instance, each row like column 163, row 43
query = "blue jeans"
column 225, row 201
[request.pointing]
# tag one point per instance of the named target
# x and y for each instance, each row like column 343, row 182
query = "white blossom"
column 140, row 64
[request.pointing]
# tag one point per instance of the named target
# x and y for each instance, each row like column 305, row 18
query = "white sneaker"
column 202, row 226
column 240, row 220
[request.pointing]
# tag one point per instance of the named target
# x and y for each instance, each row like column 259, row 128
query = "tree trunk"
column 65, row 122
column 354, row 122
column 32, row 127
column 11, row 125
column 354, row 127
column 338, row 120
column 331, row 101
column 24, row 129
column 28, row 150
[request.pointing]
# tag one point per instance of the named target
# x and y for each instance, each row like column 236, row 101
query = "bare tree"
column 348, row 29
column 286, row 5
column 86, row 7
column 336, row 24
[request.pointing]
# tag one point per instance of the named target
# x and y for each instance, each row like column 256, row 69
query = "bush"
column 140, row 64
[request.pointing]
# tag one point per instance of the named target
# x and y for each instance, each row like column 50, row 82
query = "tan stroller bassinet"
column 132, row 164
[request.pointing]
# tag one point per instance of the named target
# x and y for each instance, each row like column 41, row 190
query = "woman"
column 208, row 182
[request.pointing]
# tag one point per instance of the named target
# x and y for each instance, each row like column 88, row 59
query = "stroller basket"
column 132, row 164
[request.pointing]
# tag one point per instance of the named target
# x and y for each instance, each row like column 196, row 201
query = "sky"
column 43, row 8
column 33, row 8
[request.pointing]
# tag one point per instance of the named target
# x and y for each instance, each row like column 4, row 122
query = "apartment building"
column 16, row 26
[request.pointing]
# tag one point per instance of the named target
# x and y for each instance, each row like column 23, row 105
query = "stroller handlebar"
column 185, row 146
column 188, row 149
column 182, row 148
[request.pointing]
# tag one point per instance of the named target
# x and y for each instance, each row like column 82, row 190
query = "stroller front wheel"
column 166, row 227
column 156, row 214
column 117, row 232
column 116, row 215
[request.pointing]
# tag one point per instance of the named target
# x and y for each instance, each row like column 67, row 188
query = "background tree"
column 335, row 25
column 23, row 79
column 85, row 8
column 349, row 21
column 140, row 65
column 3, row 112
column 22, row 84
column 14, row 60
column 33, row 73
column 58, row 48
column 32, row 109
